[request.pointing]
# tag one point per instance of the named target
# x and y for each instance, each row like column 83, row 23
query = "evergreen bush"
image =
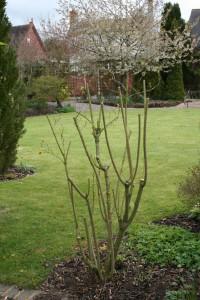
column 174, row 86
column 12, row 104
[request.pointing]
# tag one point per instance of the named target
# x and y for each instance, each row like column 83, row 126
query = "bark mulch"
column 133, row 280
column 15, row 173
column 181, row 220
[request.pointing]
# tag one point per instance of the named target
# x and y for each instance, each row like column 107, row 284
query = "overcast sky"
column 21, row 11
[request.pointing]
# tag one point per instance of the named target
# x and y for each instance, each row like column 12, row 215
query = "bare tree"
column 118, row 36
column 114, row 194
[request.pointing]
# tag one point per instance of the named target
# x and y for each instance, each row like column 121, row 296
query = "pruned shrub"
column 116, row 194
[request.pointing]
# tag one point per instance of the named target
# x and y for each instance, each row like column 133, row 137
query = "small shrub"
column 49, row 88
column 189, row 188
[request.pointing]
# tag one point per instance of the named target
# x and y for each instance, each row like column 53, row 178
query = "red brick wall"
column 108, row 85
column 77, row 82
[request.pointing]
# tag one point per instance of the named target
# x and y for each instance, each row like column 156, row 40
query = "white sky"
column 21, row 11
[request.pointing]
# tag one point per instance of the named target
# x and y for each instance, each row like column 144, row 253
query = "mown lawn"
column 36, row 228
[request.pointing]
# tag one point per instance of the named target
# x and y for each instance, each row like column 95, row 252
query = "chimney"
column 73, row 16
column 31, row 22
column 150, row 6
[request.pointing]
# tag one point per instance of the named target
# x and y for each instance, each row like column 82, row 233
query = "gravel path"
column 83, row 107
column 192, row 104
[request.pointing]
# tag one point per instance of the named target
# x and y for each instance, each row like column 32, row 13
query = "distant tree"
column 173, row 88
column 173, row 20
column 50, row 88
column 11, row 97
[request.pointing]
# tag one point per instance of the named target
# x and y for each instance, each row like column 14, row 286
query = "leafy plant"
column 195, row 212
column 27, row 169
column 188, row 293
column 167, row 246
column 37, row 104
column 66, row 109
column 49, row 88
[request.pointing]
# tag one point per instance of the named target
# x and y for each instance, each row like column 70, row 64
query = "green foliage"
column 66, row 109
column 195, row 212
column 26, row 168
column 12, row 104
column 49, row 88
column 189, row 188
column 167, row 246
column 37, row 104
column 174, row 86
column 172, row 17
column 154, row 86
column 191, row 75
column 188, row 293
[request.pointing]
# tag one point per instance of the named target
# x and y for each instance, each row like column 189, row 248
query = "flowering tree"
column 120, row 36
column 116, row 36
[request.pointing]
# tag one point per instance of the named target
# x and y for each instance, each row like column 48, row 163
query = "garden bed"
column 152, row 103
column 16, row 172
column 181, row 220
column 49, row 109
column 134, row 279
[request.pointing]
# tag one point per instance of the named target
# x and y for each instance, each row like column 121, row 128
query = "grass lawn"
column 36, row 228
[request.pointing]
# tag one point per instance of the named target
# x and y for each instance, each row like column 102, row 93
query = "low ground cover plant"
column 66, row 109
column 167, row 246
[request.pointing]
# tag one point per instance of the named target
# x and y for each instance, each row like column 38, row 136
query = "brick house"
column 28, row 44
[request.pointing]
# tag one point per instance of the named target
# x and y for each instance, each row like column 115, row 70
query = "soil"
column 15, row 173
column 181, row 220
column 133, row 280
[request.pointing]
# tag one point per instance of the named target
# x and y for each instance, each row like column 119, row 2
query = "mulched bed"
column 134, row 280
column 152, row 103
column 15, row 173
column 181, row 220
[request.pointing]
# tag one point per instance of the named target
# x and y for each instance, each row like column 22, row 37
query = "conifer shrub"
column 12, row 104
column 174, row 86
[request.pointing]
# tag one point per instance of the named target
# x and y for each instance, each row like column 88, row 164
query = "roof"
column 195, row 21
column 18, row 33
